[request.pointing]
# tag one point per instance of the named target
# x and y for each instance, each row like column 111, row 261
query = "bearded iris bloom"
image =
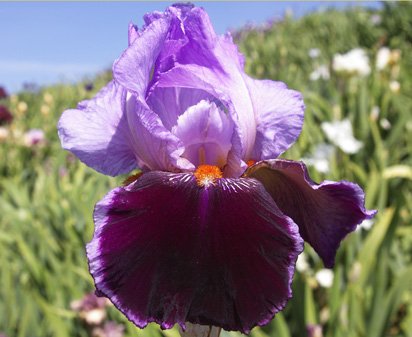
column 210, row 230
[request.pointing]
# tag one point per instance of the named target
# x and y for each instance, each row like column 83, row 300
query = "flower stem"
column 196, row 330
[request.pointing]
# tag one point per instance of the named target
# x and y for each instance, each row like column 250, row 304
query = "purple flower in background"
column 109, row 329
column 89, row 86
column 34, row 137
column 3, row 93
column 210, row 231
column 5, row 115
column 91, row 308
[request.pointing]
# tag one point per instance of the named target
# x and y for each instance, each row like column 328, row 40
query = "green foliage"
column 47, row 196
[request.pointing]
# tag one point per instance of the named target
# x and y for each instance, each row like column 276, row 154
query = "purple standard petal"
column 170, row 103
column 279, row 115
column 133, row 33
column 212, row 63
column 325, row 213
column 167, row 250
column 157, row 147
column 134, row 67
column 115, row 133
column 98, row 132
column 206, row 132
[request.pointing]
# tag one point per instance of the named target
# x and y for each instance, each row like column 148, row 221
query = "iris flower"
column 5, row 116
column 210, row 230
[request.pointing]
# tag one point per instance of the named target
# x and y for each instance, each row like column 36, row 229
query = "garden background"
column 47, row 195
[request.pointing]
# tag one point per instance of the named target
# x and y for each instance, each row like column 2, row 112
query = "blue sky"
column 47, row 42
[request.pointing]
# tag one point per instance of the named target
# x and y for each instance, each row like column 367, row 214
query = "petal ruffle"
column 279, row 114
column 97, row 132
column 168, row 251
column 169, row 103
column 206, row 132
column 325, row 213
column 133, row 33
column 133, row 69
column 156, row 147
column 212, row 63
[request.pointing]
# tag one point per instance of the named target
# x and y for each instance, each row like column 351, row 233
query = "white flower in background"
column 355, row 272
column 34, row 137
column 376, row 19
column 314, row 330
column 375, row 113
column 48, row 98
column 91, row 308
column 395, row 56
column 320, row 72
column 386, row 57
column 321, row 157
column 4, row 133
column 382, row 58
column 45, row 110
column 354, row 62
column 324, row 277
column 324, row 315
column 110, row 329
column 365, row 224
column 22, row 107
column 385, row 124
column 302, row 264
column 340, row 133
column 314, row 53
column 394, row 86
column 94, row 316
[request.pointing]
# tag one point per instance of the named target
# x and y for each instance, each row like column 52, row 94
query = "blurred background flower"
column 314, row 330
column 109, row 329
column 91, row 309
column 340, row 133
column 325, row 277
column 5, row 115
column 34, row 137
column 320, row 158
column 3, row 93
column 354, row 62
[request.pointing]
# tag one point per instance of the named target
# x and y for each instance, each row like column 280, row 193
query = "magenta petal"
column 168, row 251
column 325, row 213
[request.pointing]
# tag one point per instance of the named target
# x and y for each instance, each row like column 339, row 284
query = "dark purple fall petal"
column 166, row 250
column 325, row 213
